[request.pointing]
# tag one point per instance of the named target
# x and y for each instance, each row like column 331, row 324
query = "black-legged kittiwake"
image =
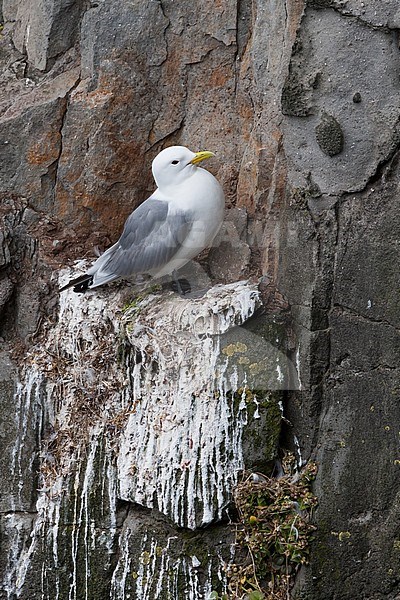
column 179, row 220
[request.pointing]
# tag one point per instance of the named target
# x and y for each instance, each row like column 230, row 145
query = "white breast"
column 203, row 197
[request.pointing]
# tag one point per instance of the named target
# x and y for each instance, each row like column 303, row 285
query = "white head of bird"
column 175, row 164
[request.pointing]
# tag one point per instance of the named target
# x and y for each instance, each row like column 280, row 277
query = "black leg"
column 180, row 286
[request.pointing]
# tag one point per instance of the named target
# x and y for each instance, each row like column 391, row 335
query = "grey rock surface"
column 229, row 257
column 8, row 432
column 44, row 29
column 325, row 72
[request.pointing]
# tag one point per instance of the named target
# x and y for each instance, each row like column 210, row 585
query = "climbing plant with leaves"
column 274, row 533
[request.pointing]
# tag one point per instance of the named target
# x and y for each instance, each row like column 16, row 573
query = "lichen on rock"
column 329, row 135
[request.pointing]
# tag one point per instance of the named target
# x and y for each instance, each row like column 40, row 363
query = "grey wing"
column 152, row 235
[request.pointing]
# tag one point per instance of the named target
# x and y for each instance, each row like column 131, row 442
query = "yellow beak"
column 201, row 156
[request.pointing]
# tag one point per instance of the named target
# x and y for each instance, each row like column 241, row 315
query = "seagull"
column 179, row 220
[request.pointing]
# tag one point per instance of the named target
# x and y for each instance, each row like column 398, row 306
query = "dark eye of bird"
column 174, row 162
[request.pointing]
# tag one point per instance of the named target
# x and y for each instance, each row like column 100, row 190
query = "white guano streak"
column 181, row 449
column 183, row 436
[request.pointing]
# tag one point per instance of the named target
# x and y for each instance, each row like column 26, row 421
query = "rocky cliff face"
column 126, row 423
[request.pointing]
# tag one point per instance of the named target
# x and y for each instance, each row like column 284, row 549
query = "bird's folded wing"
column 152, row 235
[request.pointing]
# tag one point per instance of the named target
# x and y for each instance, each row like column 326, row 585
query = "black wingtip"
column 80, row 284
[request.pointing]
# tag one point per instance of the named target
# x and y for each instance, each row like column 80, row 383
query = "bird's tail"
column 80, row 284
